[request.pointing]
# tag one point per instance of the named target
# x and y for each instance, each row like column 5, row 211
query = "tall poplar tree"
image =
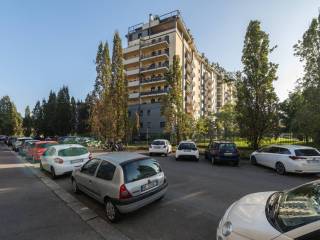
column 256, row 99
column 10, row 119
column 27, row 122
column 63, row 112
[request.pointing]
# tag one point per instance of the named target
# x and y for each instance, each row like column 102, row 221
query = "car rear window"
column 186, row 146
column 306, row 152
column 140, row 169
column 227, row 147
column 46, row 145
column 158, row 143
column 72, row 152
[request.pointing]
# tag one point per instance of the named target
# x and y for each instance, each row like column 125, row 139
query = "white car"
column 160, row 146
column 64, row 158
column 288, row 158
column 187, row 150
column 287, row 215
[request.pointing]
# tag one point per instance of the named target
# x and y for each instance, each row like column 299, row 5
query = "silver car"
column 123, row 181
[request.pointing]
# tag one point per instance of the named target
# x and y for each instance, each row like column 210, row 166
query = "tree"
column 83, row 110
column 119, row 90
column 256, row 99
column 49, row 111
column 27, row 122
column 10, row 119
column 226, row 121
column 177, row 120
column 308, row 51
column 74, row 115
column 63, row 113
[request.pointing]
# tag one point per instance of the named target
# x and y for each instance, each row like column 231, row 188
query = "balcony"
column 155, row 43
column 188, row 57
column 162, row 56
column 131, row 49
column 155, row 67
column 131, row 61
column 154, row 93
column 132, row 72
column 133, row 83
column 133, row 95
column 153, row 80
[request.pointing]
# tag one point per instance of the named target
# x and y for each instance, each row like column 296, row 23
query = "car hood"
column 248, row 217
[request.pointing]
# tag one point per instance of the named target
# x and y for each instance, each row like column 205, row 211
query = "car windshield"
column 72, row 152
column 187, row 146
column 227, row 147
column 306, row 152
column 158, row 142
column 298, row 207
column 140, row 169
column 46, row 145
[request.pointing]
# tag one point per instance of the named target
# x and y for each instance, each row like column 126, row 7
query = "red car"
column 39, row 148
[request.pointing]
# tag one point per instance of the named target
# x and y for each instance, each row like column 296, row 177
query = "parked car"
column 160, row 146
column 64, row 158
column 19, row 142
column 3, row 138
column 11, row 140
column 285, row 215
column 26, row 146
column 187, row 150
column 123, row 181
column 219, row 152
column 39, row 148
column 288, row 158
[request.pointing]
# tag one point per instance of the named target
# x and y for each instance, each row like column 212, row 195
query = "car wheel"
column 280, row 168
column 213, row 160
column 53, row 173
column 75, row 186
column 150, row 154
column 112, row 212
column 253, row 160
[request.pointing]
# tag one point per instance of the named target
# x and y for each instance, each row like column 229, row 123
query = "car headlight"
column 227, row 229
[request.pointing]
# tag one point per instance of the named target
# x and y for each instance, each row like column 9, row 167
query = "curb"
column 98, row 224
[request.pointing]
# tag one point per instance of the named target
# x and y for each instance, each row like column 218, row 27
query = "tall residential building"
column 150, row 51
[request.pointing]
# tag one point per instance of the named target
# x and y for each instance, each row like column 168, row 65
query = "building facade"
column 150, row 51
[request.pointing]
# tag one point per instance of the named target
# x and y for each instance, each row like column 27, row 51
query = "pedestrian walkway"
column 30, row 210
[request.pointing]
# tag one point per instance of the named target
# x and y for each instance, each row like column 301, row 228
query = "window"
column 129, row 113
column 158, row 142
column 228, row 147
column 274, row 150
column 141, row 113
column 306, row 152
column 90, row 167
column 148, row 112
column 187, row 146
column 50, row 152
column 106, row 171
column 153, row 100
column 141, row 124
column 140, row 169
column 284, row 151
column 148, row 124
column 72, row 152
column 162, row 124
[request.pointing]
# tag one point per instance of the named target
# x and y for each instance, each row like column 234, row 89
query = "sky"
column 47, row 44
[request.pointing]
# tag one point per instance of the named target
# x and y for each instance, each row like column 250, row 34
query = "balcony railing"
column 155, row 41
column 154, row 79
column 155, row 54
column 154, row 92
column 154, row 66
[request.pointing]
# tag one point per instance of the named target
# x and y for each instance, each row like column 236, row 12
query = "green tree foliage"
column 27, row 122
column 226, row 121
column 308, row 51
column 10, row 119
column 63, row 114
column 49, row 111
column 74, row 115
column 83, row 111
column 256, row 99
column 178, row 122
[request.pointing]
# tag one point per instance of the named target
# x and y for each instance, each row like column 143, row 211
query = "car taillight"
column 90, row 156
column 124, row 193
column 58, row 160
column 297, row 158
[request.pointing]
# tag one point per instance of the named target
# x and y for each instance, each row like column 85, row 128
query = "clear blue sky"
column 47, row 44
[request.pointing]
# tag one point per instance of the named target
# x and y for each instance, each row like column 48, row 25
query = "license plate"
column 157, row 147
column 76, row 161
column 148, row 186
column 227, row 154
column 187, row 150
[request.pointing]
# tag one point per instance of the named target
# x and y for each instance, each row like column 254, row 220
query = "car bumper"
column 134, row 203
column 228, row 158
column 60, row 169
column 158, row 150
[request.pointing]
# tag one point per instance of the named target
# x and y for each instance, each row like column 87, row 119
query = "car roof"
column 64, row 146
column 120, row 157
column 160, row 140
column 187, row 142
column 291, row 146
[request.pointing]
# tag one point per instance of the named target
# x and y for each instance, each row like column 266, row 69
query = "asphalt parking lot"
column 198, row 196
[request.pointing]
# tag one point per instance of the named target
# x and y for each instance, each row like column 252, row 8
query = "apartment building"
column 150, row 51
